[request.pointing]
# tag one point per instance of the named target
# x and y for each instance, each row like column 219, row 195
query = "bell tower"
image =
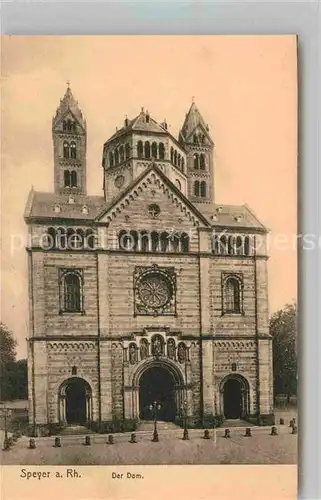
column 195, row 138
column 69, row 146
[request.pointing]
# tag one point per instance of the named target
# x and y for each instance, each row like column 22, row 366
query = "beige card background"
column 246, row 89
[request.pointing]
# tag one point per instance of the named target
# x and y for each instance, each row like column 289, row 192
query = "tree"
column 8, row 345
column 283, row 328
column 13, row 374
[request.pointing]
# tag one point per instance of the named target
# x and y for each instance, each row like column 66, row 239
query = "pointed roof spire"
column 193, row 119
column 69, row 103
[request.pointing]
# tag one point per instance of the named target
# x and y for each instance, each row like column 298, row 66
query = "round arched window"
column 155, row 290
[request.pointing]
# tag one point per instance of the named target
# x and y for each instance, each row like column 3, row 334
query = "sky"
column 244, row 86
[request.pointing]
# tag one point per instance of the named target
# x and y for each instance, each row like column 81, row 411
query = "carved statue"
column 157, row 346
column 143, row 349
column 181, row 352
column 171, row 349
column 132, row 354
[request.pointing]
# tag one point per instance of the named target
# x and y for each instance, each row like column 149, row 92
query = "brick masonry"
column 96, row 345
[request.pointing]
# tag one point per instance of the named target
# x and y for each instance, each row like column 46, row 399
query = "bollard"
column 185, row 435
column 87, row 441
column 206, row 434
column 110, row 439
column 227, row 433
column 281, row 421
column 57, row 442
column 133, row 438
column 274, row 431
column 32, row 444
column 248, row 432
column 294, row 429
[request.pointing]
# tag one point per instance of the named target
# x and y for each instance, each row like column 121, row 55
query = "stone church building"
column 151, row 292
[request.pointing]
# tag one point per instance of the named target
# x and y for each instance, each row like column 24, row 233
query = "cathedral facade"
column 151, row 292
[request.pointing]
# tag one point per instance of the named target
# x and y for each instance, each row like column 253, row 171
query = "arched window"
column 232, row 296
column 121, row 154
column 73, row 150
column 116, row 157
column 178, row 184
column 140, row 149
column 147, row 149
column 73, row 177
column 79, row 239
column 247, row 246
column 51, row 238
column 90, row 239
column 154, row 150
column 196, row 161
column 223, row 243
column 127, row 151
column 184, row 242
column 196, row 188
column 144, row 241
column 202, row 161
column 179, row 161
column 72, row 293
column 125, row 240
column 111, row 159
column 172, row 155
column 164, row 240
column 161, row 151
column 182, row 164
column 69, row 125
column 239, row 246
column 67, row 180
column 175, row 157
column 134, row 240
column 231, row 245
column 64, row 125
column 203, row 189
column 61, row 238
column 195, row 139
column 154, row 241
column 66, row 149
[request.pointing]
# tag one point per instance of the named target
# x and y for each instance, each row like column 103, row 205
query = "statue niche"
column 157, row 345
column 132, row 354
column 171, row 349
column 143, row 349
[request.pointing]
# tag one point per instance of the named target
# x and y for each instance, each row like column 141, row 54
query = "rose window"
column 155, row 291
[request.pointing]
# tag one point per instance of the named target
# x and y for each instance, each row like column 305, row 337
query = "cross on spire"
column 68, row 84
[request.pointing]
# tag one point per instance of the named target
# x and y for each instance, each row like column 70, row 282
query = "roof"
column 69, row 103
column 139, row 124
column 172, row 186
column 42, row 205
column 238, row 216
column 193, row 120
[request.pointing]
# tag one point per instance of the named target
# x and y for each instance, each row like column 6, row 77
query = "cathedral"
column 153, row 292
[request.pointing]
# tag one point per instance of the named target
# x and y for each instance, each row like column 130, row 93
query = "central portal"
column 157, row 384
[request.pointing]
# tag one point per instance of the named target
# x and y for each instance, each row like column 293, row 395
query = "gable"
column 153, row 188
column 68, row 115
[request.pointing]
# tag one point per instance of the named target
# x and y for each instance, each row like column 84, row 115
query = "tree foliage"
column 283, row 328
column 13, row 374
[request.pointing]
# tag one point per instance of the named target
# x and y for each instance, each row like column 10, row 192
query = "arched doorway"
column 75, row 401
column 157, row 384
column 235, row 393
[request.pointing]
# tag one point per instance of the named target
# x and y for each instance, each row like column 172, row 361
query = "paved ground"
column 261, row 448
